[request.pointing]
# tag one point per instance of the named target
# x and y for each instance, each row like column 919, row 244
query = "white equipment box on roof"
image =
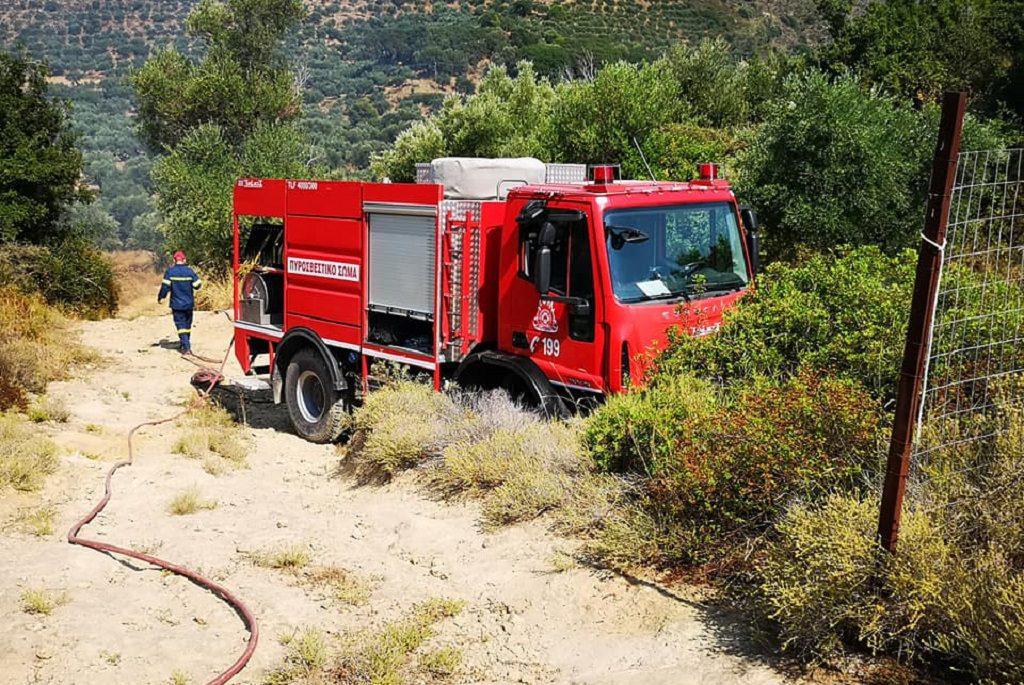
column 469, row 178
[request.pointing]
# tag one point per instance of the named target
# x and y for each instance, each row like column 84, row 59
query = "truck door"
column 561, row 332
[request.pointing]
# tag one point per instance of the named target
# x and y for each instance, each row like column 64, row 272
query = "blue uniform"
column 181, row 282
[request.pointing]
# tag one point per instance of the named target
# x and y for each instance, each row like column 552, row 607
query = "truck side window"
column 559, row 258
column 581, row 281
column 560, row 262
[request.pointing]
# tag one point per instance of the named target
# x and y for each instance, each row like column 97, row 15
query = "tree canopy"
column 920, row 48
column 242, row 80
column 40, row 163
column 229, row 115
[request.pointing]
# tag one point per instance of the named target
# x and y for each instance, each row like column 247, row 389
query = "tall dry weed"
column 36, row 346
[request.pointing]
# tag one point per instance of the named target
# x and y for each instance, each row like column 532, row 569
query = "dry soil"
column 527, row 620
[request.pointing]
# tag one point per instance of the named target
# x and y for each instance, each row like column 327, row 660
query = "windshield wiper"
column 654, row 298
column 724, row 287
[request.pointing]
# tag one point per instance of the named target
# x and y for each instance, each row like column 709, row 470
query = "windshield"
column 675, row 251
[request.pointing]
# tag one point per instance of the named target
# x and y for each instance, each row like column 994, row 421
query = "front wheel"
column 317, row 410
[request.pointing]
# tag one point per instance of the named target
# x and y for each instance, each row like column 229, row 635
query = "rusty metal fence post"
column 922, row 310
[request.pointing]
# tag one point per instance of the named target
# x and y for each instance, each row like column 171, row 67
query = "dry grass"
column 25, row 458
column 341, row 585
column 36, row 347
column 441, row 664
column 48, row 408
column 209, row 433
column 400, row 426
column 138, row 279
column 216, row 294
column 291, row 557
column 391, row 655
column 481, row 445
column 189, row 502
column 562, row 561
column 41, row 602
column 38, row 522
column 305, row 660
column 180, row 678
column 387, row 656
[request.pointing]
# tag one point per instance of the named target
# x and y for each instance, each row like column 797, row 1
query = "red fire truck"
column 550, row 281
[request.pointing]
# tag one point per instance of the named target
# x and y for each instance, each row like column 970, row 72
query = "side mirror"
column 531, row 211
column 542, row 270
column 752, row 225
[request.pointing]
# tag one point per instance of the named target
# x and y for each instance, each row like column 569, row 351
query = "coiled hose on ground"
column 209, row 377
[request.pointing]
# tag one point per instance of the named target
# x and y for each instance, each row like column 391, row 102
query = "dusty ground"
column 524, row 622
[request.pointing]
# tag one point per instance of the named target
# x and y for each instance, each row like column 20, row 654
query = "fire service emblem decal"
column 545, row 319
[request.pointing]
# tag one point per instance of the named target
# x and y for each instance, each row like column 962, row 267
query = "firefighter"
column 181, row 282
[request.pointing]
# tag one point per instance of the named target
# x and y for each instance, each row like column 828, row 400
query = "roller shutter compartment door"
column 402, row 262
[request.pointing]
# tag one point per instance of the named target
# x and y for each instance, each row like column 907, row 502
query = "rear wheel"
column 318, row 411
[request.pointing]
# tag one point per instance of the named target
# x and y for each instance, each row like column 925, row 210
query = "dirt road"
column 527, row 619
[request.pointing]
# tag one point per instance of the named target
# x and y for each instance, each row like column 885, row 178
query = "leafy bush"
column 194, row 183
column 72, row 274
column 81, row 278
column 837, row 163
column 42, row 163
column 843, row 315
column 634, row 431
column 656, row 105
column 724, row 464
column 603, row 120
column 920, row 50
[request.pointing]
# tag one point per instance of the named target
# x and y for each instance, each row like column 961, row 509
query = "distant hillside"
column 369, row 66
column 85, row 38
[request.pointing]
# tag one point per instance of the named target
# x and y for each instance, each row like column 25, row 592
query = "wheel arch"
column 525, row 370
column 298, row 339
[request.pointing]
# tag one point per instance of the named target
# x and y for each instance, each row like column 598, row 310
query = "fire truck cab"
column 550, row 281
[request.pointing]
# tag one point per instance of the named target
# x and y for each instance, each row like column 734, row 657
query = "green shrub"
column 724, row 464
column 194, row 182
column 842, row 314
column 400, row 426
column 819, row 579
column 634, row 431
column 836, row 162
column 984, row 617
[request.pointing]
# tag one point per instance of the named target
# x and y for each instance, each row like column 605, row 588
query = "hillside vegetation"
column 368, row 68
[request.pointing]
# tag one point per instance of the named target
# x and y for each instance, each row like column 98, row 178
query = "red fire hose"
column 205, row 375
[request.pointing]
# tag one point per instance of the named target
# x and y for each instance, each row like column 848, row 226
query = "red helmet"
column 179, row 256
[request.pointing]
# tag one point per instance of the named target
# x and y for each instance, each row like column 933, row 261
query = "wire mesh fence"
column 976, row 350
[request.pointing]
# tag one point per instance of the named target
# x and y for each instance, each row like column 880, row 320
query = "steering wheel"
column 690, row 267
column 662, row 273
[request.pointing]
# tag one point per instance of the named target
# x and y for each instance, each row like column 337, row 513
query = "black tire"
column 318, row 412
